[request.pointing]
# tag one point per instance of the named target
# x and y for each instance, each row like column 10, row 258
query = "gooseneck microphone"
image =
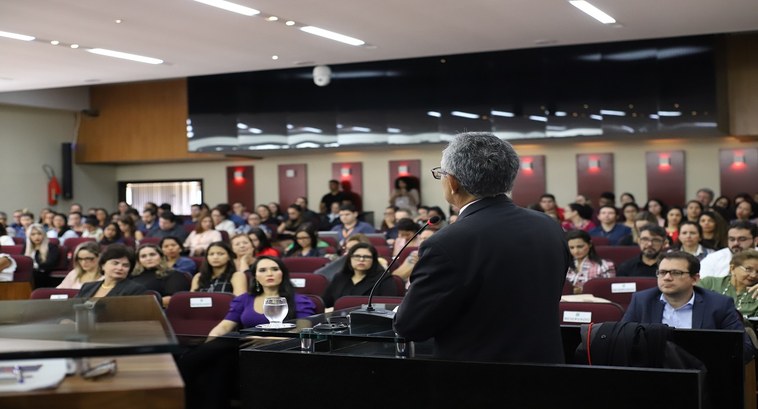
column 433, row 220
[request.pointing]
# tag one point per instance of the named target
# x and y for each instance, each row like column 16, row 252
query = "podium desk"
column 346, row 370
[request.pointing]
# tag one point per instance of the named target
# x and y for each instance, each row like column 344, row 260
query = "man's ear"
column 455, row 185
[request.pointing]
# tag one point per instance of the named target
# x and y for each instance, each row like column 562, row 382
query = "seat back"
column 19, row 240
column 350, row 301
column 150, row 240
column 24, row 268
column 618, row 289
column 600, row 241
column 53, row 293
column 194, row 313
column 617, row 254
column 304, row 264
column 318, row 302
column 14, row 249
column 377, row 239
column 402, row 256
column 308, row 283
column 400, row 284
column 576, row 313
column 568, row 289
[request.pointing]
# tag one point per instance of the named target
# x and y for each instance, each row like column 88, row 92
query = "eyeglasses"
column 649, row 240
column 359, row 257
column 674, row 273
column 303, row 238
column 86, row 258
column 437, row 173
column 748, row 270
column 739, row 239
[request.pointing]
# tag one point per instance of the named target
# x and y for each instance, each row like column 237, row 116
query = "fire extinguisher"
column 53, row 187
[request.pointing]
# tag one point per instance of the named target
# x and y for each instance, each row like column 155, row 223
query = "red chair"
column 617, row 254
column 194, row 313
column 350, row 301
column 24, row 268
column 150, row 240
column 304, row 264
column 384, row 252
column 17, row 249
column 318, row 302
column 618, row 289
column 308, row 283
column 53, row 293
column 400, row 284
column 332, row 241
column 402, row 256
column 600, row 241
column 377, row 239
column 224, row 236
column 576, row 313
column 73, row 242
column 568, row 288
column 198, row 262
column 65, row 263
column 19, row 240
column 53, row 240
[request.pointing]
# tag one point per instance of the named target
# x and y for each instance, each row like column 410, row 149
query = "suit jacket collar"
column 484, row 203
column 697, row 308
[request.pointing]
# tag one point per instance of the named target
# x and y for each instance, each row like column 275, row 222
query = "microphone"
column 368, row 317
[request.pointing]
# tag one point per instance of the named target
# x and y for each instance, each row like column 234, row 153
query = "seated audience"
column 652, row 240
column 267, row 219
column 218, row 272
column 91, row 229
column 741, row 236
column 332, row 217
column 391, row 233
column 617, row 234
column 172, row 248
column 694, row 210
column 86, row 267
column 5, row 238
column 334, row 196
column 332, row 269
column 200, row 238
column 43, row 254
column 587, row 264
column 60, row 229
column 714, row 230
column 25, row 220
column 641, row 219
column 153, row 273
column 295, row 218
column 744, row 211
column 7, row 267
column 658, row 209
column 577, row 217
column 673, row 218
column 168, row 226
column 244, row 251
column 743, row 274
column 406, row 228
column 149, row 221
column 253, row 221
column 309, row 216
column 128, row 228
column 349, row 223
column 111, row 234
column 627, row 197
column 116, row 263
column 705, row 197
column 220, row 216
column 358, row 276
column 262, row 244
column 405, row 195
column 723, row 206
column 406, row 268
column 276, row 211
column 306, row 243
column 547, row 203
column 679, row 303
column 388, row 221
column 629, row 212
column 689, row 240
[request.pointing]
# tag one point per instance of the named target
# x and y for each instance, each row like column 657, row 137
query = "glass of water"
column 275, row 309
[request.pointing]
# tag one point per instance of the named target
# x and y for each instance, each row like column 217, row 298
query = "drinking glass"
column 275, row 309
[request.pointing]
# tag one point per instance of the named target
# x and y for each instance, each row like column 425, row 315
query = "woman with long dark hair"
column 358, row 276
column 714, row 230
column 262, row 244
column 587, row 264
column 152, row 272
column 218, row 273
column 306, row 243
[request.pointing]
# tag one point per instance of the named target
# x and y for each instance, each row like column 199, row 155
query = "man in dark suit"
column 487, row 287
column 677, row 302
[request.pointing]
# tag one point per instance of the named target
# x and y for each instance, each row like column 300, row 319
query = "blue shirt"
column 678, row 317
column 615, row 236
column 360, row 227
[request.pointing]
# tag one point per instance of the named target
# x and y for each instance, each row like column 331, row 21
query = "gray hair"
column 484, row 164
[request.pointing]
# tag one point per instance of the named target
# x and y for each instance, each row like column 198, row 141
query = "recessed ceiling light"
column 229, row 6
column 125, row 56
column 16, row 36
column 289, row 23
column 55, row 42
column 332, row 35
column 74, row 46
column 593, row 11
column 274, row 57
column 272, row 18
column 118, row 21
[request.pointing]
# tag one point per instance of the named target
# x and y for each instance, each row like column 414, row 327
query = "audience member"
column 741, row 236
column 75, row 208
column 238, row 214
column 627, row 197
column 128, row 228
column 116, row 263
column 91, row 230
column 607, row 199
column 333, row 196
column 547, row 203
column 153, row 273
column 629, row 212
column 149, row 221
column 673, row 218
column 583, row 200
column 102, row 217
column 295, row 218
column 406, row 268
column 694, row 210
column 714, row 230
column 26, row 219
column 262, row 244
column 744, row 212
column 641, row 219
column 422, row 215
column 276, row 211
column 436, row 211
column 111, row 234
column 221, row 222
column 658, row 209
column 392, row 233
column 743, row 274
column 253, row 221
column 705, row 197
column 218, row 273
column 123, row 207
column 172, row 248
column 405, row 195
column 331, row 218
column 5, row 238
column 168, row 226
column 587, row 264
column 722, row 205
column 617, row 234
column 86, row 267
column 43, row 254
column 652, row 239
column 244, row 252
column 306, row 243
column 75, row 222
column 200, row 238
column 690, row 235
column 389, row 220
column 350, row 224
column 577, row 217
column 358, row 276
column 309, row 216
column 60, row 230
column 7, row 267
column 406, row 228
column 267, row 219
column 332, row 269
column 11, row 232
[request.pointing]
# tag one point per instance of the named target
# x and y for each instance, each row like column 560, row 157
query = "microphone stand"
column 370, row 319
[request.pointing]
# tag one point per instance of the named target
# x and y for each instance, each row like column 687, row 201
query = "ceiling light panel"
column 229, row 6
column 593, row 11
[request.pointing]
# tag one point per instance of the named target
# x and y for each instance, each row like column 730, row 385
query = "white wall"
column 32, row 137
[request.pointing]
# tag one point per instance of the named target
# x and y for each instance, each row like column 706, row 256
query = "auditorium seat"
column 400, row 284
column 568, row 288
column 24, row 268
column 150, row 240
column 618, row 289
column 19, row 240
column 53, row 240
column 384, row 251
column 576, row 313
column 402, row 256
column 617, row 254
column 350, row 301
column 308, row 283
column 377, row 239
column 198, row 262
column 318, row 302
column 304, row 264
column 53, row 293
column 73, row 242
column 600, row 241
column 17, row 249
column 225, row 236
column 198, row 317
column 332, row 241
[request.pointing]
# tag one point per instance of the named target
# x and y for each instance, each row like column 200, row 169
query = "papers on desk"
column 582, row 298
column 31, row 374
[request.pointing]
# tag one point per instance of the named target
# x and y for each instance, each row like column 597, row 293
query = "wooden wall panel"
column 531, row 182
column 240, row 185
column 137, row 122
column 666, row 178
column 594, row 174
column 739, row 171
column 293, row 182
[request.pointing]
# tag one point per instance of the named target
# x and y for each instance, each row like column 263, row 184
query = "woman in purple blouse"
column 271, row 280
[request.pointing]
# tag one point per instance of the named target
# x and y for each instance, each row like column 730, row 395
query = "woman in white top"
column 203, row 235
column 5, row 238
column 60, row 230
column 690, row 236
column 222, row 222
column 86, row 267
column 406, row 194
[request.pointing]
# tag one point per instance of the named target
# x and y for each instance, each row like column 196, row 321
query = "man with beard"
column 742, row 235
column 651, row 242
